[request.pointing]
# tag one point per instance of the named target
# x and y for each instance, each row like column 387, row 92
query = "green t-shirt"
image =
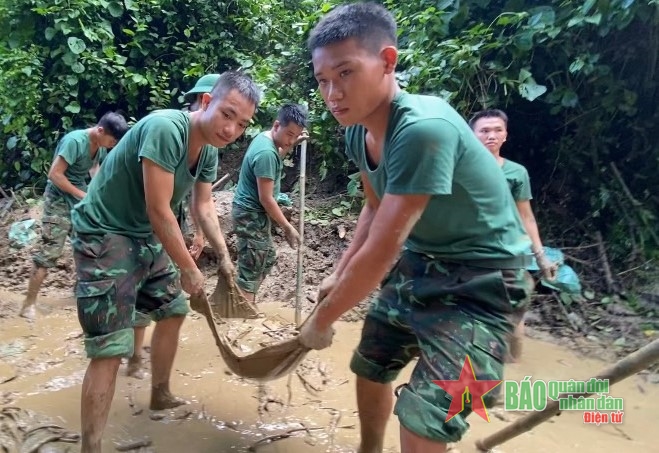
column 261, row 161
column 115, row 200
column 430, row 149
column 518, row 180
column 74, row 148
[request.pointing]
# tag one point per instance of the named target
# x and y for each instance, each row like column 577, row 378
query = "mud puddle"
column 42, row 366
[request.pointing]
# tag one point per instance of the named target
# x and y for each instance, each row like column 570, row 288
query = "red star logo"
column 463, row 388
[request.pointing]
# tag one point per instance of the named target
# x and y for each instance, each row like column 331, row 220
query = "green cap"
column 204, row 85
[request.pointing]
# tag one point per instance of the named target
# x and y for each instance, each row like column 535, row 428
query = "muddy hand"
column 302, row 137
column 197, row 246
column 292, row 236
column 326, row 286
column 549, row 270
column 314, row 338
column 227, row 269
column 192, row 280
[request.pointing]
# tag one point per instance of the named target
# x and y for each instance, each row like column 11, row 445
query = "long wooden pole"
column 630, row 365
column 300, row 249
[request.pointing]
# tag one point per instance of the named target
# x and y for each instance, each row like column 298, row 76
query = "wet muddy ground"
column 42, row 365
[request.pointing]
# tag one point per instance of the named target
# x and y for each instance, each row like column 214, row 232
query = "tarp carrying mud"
column 25, row 431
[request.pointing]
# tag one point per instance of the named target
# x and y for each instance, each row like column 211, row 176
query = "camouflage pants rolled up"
column 122, row 280
column 441, row 312
column 256, row 251
column 55, row 228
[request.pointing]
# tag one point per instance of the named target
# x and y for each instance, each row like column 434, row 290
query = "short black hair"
column 239, row 81
column 292, row 113
column 489, row 113
column 371, row 24
column 114, row 124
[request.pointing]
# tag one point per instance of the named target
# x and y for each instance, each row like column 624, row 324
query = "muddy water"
column 229, row 414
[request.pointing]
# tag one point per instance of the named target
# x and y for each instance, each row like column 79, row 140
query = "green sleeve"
column 208, row 171
column 70, row 150
column 422, row 158
column 524, row 189
column 265, row 165
column 161, row 143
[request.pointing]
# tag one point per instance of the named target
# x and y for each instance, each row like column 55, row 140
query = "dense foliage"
column 577, row 78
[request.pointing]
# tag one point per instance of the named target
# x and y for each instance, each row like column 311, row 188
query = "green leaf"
column 17, row 165
column 575, row 21
column 531, row 90
column 69, row 59
column 619, row 342
column 27, row 70
column 588, row 294
column 115, row 9
column 11, row 142
column 524, row 40
column 595, row 19
column 49, row 33
column 139, row 79
column 71, row 80
column 605, row 300
column 566, row 299
column 337, row 212
column 78, row 67
column 576, row 65
column 524, row 75
column 73, row 107
column 569, row 99
column 76, row 45
column 588, row 4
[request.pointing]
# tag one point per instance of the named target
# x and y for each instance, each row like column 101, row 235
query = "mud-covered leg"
column 163, row 351
column 97, row 393
column 28, row 310
column 374, row 402
column 135, row 363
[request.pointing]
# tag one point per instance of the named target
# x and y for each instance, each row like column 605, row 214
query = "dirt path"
column 231, row 414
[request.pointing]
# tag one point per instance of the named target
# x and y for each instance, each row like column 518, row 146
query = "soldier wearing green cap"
column 204, row 85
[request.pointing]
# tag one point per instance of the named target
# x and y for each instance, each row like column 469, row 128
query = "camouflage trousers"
column 441, row 312
column 256, row 251
column 55, row 228
column 121, row 279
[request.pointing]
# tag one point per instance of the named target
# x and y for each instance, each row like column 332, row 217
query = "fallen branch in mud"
column 608, row 275
column 307, row 385
column 134, row 445
column 570, row 321
column 220, row 181
column 289, row 433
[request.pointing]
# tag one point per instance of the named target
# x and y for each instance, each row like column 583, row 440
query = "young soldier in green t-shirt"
column 142, row 321
column 77, row 157
column 254, row 202
column 193, row 97
column 491, row 128
column 129, row 250
column 437, row 208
